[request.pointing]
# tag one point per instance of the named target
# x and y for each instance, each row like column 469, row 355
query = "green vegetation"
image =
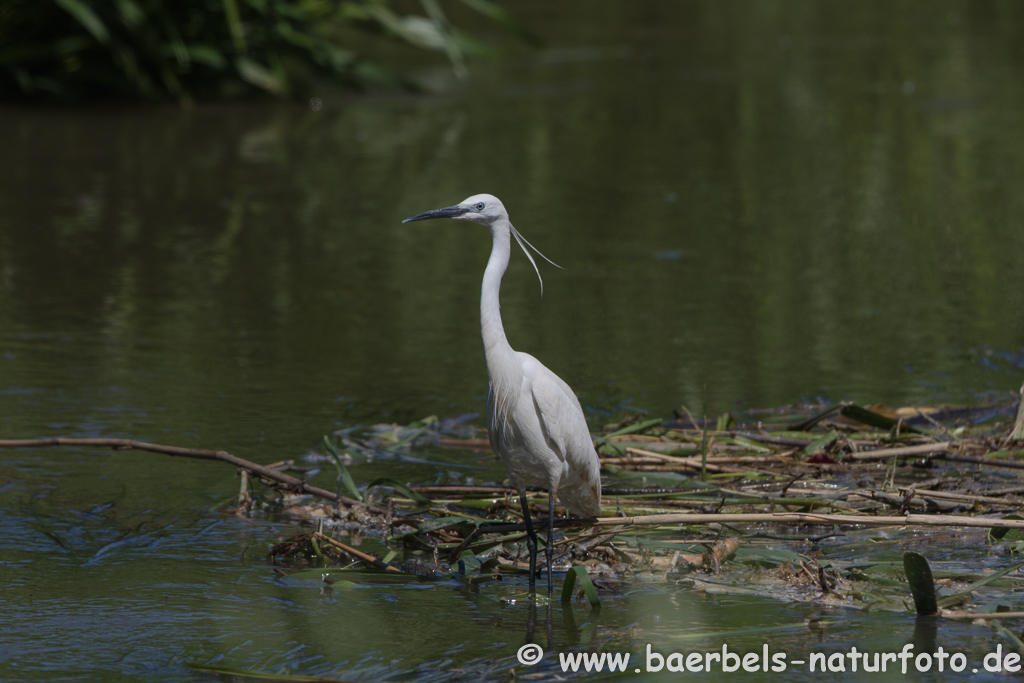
column 158, row 49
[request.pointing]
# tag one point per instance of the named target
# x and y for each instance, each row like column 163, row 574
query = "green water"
column 754, row 204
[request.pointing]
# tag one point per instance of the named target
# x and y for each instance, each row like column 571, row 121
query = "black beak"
column 449, row 212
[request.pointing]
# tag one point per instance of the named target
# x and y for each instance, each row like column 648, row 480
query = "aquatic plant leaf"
column 477, row 565
column 664, row 478
column 234, row 23
column 994, row 607
column 1006, row 534
column 206, row 55
column 51, row 534
column 258, row 75
column 346, row 479
column 87, row 18
column 770, row 556
column 751, row 444
column 349, row 482
column 992, row 577
column 806, row 425
column 579, row 573
column 443, row 523
column 821, row 443
column 253, row 674
column 401, row 488
column 1018, row 644
column 316, row 548
column 922, row 586
column 497, row 13
column 873, row 419
column 635, row 429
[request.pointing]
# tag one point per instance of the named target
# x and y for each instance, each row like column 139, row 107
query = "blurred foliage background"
column 159, row 49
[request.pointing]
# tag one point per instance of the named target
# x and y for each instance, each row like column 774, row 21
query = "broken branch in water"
column 293, row 483
column 811, row 518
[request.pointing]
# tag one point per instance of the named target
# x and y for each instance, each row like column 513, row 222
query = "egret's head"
column 486, row 209
column 480, row 208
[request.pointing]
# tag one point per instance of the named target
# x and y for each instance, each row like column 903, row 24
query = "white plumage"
column 534, row 420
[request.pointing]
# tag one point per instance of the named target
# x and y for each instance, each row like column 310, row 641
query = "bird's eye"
column 480, row 206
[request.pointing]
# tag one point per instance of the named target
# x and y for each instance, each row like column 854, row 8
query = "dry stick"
column 994, row 462
column 957, row 614
column 903, row 451
column 716, row 460
column 365, row 557
column 776, row 440
column 716, row 555
column 680, row 518
column 691, row 463
column 200, row 454
column 962, row 497
column 441, row 490
column 810, row 518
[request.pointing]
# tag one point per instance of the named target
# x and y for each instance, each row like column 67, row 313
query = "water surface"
column 754, row 204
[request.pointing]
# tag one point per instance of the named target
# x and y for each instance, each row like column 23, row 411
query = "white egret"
column 534, row 420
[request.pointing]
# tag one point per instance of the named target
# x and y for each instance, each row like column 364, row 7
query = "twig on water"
column 293, row 483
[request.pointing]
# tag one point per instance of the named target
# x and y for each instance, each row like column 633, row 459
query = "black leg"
column 549, row 549
column 531, row 540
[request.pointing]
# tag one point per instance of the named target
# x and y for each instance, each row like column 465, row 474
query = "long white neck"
column 496, row 346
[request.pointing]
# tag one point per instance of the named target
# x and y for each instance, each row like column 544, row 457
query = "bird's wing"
column 566, row 433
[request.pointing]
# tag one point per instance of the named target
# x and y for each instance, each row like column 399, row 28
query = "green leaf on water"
column 751, row 444
column 1018, row 644
column 349, row 483
column 316, row 548
column 442, row 523
column 768, row 556
column 1006, row 534
column 994, row 607
column 346, row 478
column 873, row 419
column 477, row 565
column 401, row 488
column 922, row 586
column 992, row 577
column 638, row 428
column 821, row 443
column 579, row 573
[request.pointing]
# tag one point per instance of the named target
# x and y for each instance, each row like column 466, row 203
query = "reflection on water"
column 754, row 203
